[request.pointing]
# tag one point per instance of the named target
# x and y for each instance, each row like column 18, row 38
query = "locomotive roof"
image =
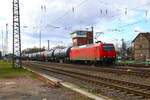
column 87, row 45
column 90, row 45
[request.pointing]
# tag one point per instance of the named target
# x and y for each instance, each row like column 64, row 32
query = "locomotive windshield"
column 108, row 47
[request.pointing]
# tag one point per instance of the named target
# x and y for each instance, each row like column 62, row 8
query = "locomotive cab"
column 109, row 54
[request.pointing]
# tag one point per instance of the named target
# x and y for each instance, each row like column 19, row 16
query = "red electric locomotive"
column 98, row 52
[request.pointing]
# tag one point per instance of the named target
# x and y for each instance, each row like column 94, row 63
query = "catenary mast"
column 16, row 35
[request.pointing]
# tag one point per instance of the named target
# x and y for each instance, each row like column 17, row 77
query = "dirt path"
column 32, row 89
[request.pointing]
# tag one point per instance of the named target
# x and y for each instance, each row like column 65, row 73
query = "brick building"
column 82, row 37
column 141, row 47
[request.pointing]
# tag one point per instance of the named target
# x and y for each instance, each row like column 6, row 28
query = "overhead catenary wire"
column 126, row 12
column 106, row 11
column 63, row 15
column 68, row 11
column 132, row 9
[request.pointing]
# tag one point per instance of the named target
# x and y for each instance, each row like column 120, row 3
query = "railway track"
column 136, row 65
column 97, row 81
column 118, row 70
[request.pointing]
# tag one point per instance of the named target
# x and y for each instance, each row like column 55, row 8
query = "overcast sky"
column 56, row 19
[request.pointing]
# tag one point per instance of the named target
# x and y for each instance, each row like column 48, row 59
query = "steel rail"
column 128, row 71
column 133, row 88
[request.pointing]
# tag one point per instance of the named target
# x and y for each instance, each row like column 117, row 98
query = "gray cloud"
column 69, row 15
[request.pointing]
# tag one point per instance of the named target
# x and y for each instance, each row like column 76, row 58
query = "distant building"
column 141, row 47
column 82, row 37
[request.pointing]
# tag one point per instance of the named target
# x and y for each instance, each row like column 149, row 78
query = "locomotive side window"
column 108, row 47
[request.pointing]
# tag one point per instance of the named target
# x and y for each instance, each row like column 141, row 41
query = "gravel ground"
column 33, row 89
column 124, row 77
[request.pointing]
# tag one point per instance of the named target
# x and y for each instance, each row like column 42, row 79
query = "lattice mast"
column 16, row 35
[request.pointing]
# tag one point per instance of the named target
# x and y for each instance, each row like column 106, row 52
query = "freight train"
column 90, row 53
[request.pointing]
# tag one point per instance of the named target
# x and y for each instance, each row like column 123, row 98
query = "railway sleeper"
column 122, row 72
column 139, row 92
column 129, row 84
column 115, row 86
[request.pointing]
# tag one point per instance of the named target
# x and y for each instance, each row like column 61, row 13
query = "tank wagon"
column 62, row 55
column 91, row 53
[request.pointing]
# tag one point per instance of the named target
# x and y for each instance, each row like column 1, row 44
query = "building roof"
column 80, row 31
column 146, row 35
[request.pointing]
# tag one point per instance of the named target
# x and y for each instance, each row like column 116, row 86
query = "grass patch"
column 6, row 71
column 130, row 62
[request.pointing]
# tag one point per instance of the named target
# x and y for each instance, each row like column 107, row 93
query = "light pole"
column 48, row 44
column 40, row 40
column 6, row 41
column 2, row 43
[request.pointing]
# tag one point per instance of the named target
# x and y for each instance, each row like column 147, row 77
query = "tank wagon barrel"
column 62, row 55
column 49, row 55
